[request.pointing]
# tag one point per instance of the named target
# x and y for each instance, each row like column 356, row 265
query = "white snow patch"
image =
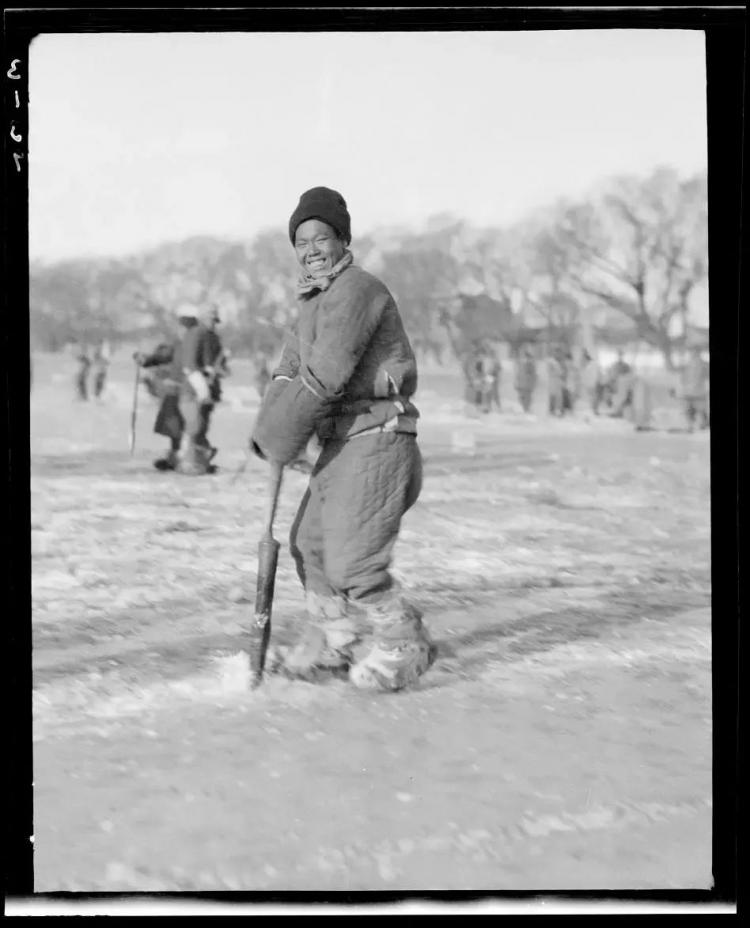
column 79, row 702
column 232, row 672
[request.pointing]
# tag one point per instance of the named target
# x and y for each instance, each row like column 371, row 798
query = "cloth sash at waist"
column 365, row 417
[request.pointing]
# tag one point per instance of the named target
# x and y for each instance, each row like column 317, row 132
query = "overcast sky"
column 140, row 139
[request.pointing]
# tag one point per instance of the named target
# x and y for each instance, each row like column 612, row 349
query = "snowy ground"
column 562, row 740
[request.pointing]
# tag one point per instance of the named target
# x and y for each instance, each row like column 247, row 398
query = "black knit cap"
column 324, row 204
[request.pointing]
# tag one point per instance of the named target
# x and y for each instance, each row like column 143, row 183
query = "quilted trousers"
column 342, row 541
column 343, row 535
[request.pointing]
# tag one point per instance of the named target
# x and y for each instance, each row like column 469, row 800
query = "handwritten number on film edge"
column 13, row 75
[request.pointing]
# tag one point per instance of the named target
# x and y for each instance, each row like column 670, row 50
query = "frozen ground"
column 562, row 741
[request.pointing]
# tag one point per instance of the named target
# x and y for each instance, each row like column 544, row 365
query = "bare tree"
column 640, row 248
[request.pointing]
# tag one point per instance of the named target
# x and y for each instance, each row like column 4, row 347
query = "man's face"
column 317, row 246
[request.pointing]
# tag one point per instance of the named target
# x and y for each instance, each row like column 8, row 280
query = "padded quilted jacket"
column 351, row 350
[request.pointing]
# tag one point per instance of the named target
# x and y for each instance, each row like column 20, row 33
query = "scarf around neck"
column 306, row 283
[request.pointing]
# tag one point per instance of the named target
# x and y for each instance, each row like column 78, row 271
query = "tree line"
column 634, row 249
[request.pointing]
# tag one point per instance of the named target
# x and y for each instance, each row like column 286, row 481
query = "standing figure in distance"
column 591, row 382
column 571, row 383
column 99, row 368
column 695, row 381
column 641, row 405
column 347, row 376
column 555, row 375
column 494, row 372
column 216, row 368
column 82, row 372
column 620, row 386
column 525, row 379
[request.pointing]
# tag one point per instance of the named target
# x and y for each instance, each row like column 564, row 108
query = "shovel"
column 268, row 554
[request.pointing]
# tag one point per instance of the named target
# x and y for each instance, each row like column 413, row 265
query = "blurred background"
column 542, row 189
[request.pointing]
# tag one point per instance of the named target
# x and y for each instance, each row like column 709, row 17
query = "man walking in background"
column 187, row 403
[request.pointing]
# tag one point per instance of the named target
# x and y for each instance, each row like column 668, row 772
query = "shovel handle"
column 274, row 488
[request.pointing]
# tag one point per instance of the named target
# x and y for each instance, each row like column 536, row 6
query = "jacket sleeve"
column 162, row 354
column 347, row 320
column 287, row 420
column 266, row 439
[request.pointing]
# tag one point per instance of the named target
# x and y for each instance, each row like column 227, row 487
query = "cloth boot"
column 192, row 459
column 326, row 645
column 168, row 462
column 402, row 649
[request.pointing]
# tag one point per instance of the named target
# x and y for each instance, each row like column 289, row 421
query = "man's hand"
column 139, row 357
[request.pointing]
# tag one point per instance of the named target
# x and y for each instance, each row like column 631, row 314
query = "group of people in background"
column 185, row 376
column 91, row 365
column 575, row 380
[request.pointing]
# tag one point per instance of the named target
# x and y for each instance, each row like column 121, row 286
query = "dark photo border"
column 725, row 29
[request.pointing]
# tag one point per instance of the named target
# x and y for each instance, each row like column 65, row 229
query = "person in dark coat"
column 473, row 370
column 622, row 398
column 620, row 386
column 186, row 405
column 215, row 371
column 347, row 377
column 218, row 369
column 99, row 366
column 484, row 380
column 82, row 373
column 154, row 376
column 166, row 387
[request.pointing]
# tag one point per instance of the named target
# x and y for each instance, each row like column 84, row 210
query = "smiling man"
column 347, row 377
